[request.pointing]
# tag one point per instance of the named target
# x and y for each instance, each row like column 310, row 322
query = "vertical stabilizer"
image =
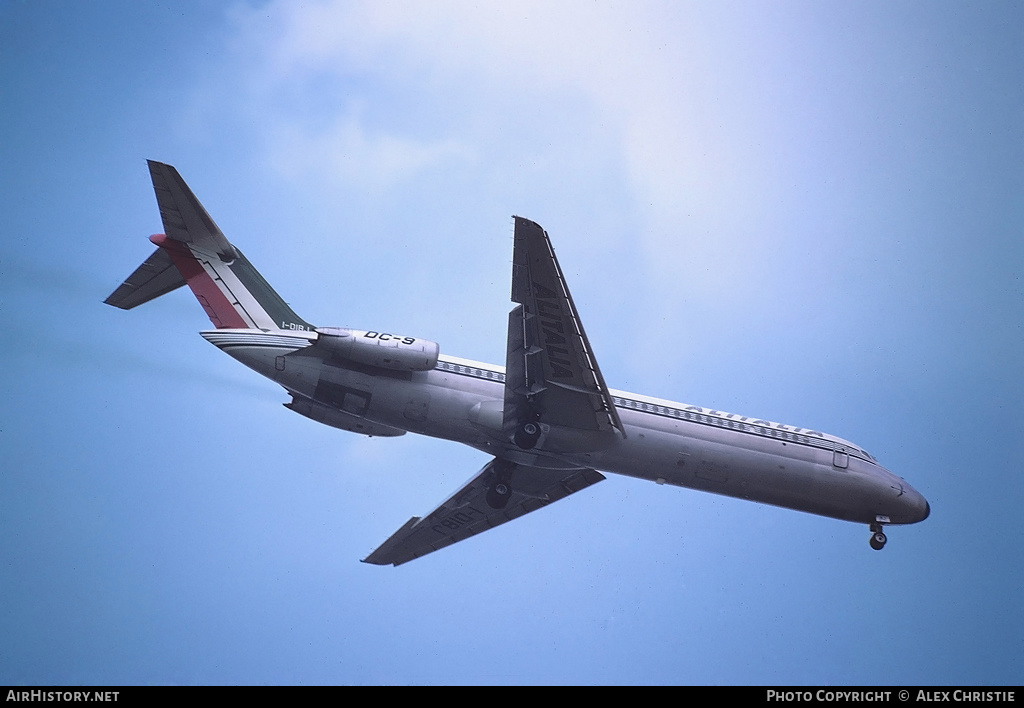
column 193, row 251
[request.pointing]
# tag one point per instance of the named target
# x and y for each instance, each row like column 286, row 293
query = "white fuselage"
column 665, row 442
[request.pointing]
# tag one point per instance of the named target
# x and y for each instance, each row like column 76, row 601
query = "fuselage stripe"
column 760, row 428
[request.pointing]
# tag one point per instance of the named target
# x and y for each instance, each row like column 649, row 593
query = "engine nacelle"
column 387, row 351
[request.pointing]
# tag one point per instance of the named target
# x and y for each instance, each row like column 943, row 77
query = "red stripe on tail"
column 218, row 308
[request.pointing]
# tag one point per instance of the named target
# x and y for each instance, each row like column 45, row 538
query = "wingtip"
column 372, row 562
column 522, row 220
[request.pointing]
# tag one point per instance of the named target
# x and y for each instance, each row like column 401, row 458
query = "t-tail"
column 193, row 251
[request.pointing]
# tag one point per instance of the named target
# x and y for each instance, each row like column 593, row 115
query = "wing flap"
column 467, row 512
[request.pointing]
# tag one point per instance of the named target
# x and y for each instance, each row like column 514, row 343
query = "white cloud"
column 632, row 131
column 482, row 72
column 352, row 153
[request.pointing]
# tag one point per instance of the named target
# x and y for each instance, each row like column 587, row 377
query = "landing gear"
column 500, row 490
column 527, row 435
column 498, row 495
column 878, row 538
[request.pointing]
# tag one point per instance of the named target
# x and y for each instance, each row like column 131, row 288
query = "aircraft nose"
column 920, row 509
column 910, row 505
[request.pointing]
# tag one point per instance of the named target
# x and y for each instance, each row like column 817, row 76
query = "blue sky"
column 805, row 212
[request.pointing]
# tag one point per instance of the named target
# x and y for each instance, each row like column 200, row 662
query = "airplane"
column 546, row 418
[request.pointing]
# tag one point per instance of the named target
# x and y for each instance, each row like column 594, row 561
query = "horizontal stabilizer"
column 155, row 277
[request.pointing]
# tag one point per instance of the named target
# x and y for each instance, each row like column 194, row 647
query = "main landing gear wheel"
column 498, row 495
column 500, row 489
column 527, row 435
column 878, row 538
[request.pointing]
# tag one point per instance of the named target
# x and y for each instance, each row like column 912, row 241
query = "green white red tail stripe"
column 232, row 292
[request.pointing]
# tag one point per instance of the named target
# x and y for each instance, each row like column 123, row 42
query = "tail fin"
column 193, row 251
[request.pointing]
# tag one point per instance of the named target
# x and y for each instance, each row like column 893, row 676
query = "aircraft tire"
column 498, row 495
column 527, row 435
column 878, row 540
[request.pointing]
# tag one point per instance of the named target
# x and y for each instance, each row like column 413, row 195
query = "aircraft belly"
column 454, row 409
column 747, row 467
column 297, row 373
column 675, row 452
column 260, row 359
column 430, row 403
column 421, row 403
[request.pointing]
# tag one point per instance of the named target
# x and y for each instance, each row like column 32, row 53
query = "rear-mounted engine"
column 387, row 351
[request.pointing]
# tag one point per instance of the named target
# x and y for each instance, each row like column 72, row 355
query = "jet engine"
column 387, row 351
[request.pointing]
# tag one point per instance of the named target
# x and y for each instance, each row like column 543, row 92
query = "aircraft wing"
column 551, row 374
column 467, row 512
